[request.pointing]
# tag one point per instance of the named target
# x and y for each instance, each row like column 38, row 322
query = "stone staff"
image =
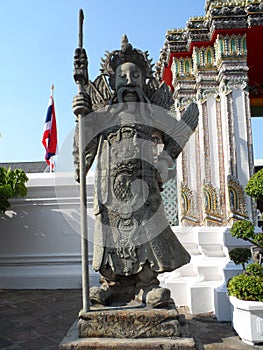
column 81, row 79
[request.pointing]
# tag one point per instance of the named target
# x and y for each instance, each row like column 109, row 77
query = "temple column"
column 188, row 164
column 236, row 119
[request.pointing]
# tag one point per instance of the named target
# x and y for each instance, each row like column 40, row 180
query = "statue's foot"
column 155, row 297
column 158, row 297
column 111, row 295
column 98, row 296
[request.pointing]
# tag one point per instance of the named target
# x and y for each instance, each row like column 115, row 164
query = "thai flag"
column 49, row 138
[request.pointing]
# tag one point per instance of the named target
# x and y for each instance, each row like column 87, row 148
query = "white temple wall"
column 40, row 242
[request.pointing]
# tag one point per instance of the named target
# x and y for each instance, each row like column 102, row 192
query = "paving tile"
column 12, row 347
column 39, row 319
column 38, row 343
column 23, row 335
column 4, row 342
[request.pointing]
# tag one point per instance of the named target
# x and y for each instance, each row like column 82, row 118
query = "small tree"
column 254, row 187
column 244, row 229
column 248, row 285
column 12, row 184
column 240, row 256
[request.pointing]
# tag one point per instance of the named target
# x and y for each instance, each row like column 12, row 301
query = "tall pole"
column 51, row 160
column 81, row 77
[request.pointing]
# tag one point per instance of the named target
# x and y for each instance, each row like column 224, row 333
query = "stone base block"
column 129, row 323
column 72, row 342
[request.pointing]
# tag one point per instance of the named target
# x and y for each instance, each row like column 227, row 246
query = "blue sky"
column 38, row 39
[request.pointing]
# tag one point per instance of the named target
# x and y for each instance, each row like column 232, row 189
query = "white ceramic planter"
column 247, row 320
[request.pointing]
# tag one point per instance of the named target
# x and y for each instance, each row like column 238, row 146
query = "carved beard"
column 140, row 97
column 142, row 106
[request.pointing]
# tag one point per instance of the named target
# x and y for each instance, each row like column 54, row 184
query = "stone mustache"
column 134, row 137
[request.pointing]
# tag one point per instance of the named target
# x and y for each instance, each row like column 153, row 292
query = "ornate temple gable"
column 230, row 46
column 231, row 17
column 188, row 206
column 215, row 61
column 182, row 67
column 197, row 29
column 231, row 62
column 204, row 58
column 237, row 201
column 227, row 15
column 251, row 9
column 176, row 40
column 183, row 82
column 212, row 214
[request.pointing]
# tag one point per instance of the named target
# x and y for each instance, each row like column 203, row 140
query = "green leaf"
column 243, row 229
column 12, row 184
column 246, row 287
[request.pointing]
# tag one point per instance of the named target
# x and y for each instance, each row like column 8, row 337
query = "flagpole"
column 51, row 160
column 80, row 76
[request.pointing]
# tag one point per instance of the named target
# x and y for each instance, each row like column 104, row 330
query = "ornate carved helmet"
column 126, row 54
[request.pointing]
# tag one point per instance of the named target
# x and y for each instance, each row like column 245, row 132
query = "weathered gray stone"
column 72, row 342
column 133, row 241
column 129, row 323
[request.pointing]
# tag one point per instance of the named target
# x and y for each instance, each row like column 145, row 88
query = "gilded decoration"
column 211, row 204
column 237, row 200
column 215, row 46
column 188, row 207
column 220, row 15
column 182, row 67
column 230, row 46
column 203, row 58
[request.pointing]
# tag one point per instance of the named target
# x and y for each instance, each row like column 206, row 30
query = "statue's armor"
column 131, row 229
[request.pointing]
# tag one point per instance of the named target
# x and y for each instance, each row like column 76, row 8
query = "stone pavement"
column 39, row 319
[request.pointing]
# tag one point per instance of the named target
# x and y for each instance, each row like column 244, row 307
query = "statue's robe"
column 131, row 229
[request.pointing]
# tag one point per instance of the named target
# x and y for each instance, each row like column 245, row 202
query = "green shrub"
column 254, row 269
column 12, row 184
column 240, row 256
column 254, row 187
column 243, row 229
column 246, row 287
column 258, row 239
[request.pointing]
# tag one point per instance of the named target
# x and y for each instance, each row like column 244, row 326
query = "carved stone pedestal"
column 129, row 323
column 132, row 328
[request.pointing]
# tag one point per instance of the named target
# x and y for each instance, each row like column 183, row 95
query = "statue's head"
column 127, row 69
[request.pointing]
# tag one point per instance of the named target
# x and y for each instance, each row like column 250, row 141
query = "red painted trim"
column 206, row 43
column 254, row 57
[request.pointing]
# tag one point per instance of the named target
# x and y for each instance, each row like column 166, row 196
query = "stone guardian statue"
column 133, row 138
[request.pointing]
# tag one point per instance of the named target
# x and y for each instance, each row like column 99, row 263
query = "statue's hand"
column 81, row 104
column 164, row 163
column 162, row 168
column 80, row 67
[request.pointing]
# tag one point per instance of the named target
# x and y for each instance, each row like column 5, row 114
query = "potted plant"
column 246, row 290
column 12, row 184
column 246, row 297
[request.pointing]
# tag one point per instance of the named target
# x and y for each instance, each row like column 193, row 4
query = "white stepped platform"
column 194, row 285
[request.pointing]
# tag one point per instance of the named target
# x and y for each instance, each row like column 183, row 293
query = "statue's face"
column 129, row 79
